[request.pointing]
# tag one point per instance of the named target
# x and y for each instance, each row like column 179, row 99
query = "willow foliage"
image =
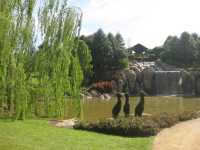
column 16, row 42
column 85, row 58
column 31, row 80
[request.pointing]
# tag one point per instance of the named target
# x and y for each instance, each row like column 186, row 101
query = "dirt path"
column 183, row 136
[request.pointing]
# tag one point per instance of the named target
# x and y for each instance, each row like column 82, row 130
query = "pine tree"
column 120, row 42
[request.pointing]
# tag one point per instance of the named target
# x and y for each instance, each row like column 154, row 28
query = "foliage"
column 124, row 127
column 108, row 52
column 39, row 135
column 165, row 120
column 120, row 60
column 31, row 75
column 134, row 126
column 85, row 58
column 15, row 44
column 155, row 53
column 181, row 51
column 113, row 41
column 101, row 52
column 120, row 45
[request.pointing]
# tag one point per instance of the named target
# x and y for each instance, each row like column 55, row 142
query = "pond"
column 99, row 109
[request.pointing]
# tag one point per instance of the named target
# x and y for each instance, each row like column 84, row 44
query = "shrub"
column 136, row 127
column 165, row 120
column 123, row 127
column 188, row 115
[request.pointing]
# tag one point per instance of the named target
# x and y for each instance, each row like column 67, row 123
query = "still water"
column 98, row 109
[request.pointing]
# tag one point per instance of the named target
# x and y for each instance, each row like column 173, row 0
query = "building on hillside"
column 137, row 49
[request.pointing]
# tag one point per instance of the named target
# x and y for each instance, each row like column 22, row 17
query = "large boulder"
column 95, row 93
column 138, row 71
column 188, row 83
column 197, row 83
column 118, row 81
column 124, row 81
column 197, row 90
column 148, row 80
column 131, row 80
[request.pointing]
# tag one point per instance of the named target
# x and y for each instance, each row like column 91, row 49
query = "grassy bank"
column 38, row 135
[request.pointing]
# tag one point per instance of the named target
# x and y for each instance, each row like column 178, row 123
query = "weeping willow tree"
column 58, row 67
column 15, row 44
column 29, row 76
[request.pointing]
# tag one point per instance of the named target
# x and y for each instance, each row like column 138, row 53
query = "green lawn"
column 38, row 135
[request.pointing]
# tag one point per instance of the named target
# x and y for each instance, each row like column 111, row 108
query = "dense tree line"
column 36, row 79
column 108, row 53
column 180, row 51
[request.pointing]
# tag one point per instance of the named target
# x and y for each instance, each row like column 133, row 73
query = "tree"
column 101, row 52
column 85, row 58
column 156, row 52
column 197, row 54
column 186, row 48
column 29, row 77
column 120, row 41
column 15, row 44
column 120, row 60
column 180, row 51
column 113, row 41
column 58, row 65
column 108, row 53
column 170, row 55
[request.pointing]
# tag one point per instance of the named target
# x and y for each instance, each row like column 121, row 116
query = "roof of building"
column 138, row 48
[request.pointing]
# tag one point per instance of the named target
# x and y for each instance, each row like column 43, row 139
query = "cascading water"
column 168, row 82
column 158, row 78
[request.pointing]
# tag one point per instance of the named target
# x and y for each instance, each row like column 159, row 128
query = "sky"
column 148, row 22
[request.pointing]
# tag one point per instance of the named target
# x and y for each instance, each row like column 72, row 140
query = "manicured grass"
column 39, row 135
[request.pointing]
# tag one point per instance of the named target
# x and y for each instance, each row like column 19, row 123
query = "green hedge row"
column 134, row 127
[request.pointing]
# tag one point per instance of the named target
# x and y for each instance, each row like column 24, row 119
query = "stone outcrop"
column 124, row 81
column 131, row 79
column 95, row 94
column 163, row 79
column 148, row 80
column 188, row 83
column 196, row 75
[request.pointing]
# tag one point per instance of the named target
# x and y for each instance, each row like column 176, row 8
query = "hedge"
column 135, row 126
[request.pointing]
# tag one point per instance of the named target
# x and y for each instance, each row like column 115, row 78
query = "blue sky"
column 148, row 22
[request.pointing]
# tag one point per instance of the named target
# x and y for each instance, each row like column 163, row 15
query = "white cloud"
column 142, row 21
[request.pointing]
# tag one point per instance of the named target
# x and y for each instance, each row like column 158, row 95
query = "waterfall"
column 168, row 82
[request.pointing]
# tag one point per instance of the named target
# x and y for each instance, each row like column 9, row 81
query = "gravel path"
column 183, row 136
